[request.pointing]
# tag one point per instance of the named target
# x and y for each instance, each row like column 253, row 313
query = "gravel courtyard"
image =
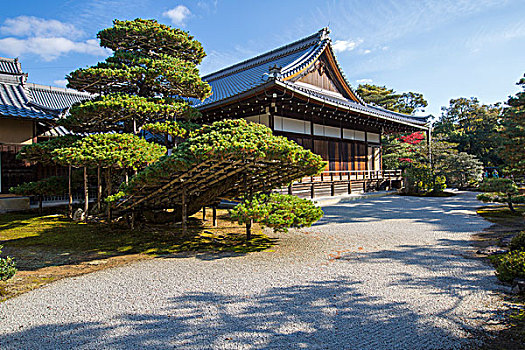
column 385, row 273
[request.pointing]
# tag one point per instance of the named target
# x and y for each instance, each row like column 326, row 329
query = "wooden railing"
column 343, row 182
column 346, row 175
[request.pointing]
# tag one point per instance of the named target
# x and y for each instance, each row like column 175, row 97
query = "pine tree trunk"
column 249, row 229
column 86, row 195
column 108, row 187
column 70, row 195
column 511, row 207
column 99, row 189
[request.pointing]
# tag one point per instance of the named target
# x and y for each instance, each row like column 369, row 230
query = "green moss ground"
column 51, row 247
column 506, row 224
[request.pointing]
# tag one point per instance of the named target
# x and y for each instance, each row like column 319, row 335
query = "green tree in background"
column 514, row 132
column 407, row 102
column 474, row 127
column 461, row 169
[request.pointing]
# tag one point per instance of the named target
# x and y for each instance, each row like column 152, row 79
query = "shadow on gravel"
column 444, row 213
column 445, row 268
column 317, row 315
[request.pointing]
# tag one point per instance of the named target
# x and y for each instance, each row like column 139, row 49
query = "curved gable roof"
column 288, row 63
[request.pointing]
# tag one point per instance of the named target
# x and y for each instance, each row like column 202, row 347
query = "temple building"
column 300, row 92
column 26, row 113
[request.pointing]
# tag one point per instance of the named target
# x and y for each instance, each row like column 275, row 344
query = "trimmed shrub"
column 277, row 211
column 501, row 191
column 7, row 267
column 518, row 242
column 511, row 266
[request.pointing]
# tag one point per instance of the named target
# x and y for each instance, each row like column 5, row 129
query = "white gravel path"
column 385, row 273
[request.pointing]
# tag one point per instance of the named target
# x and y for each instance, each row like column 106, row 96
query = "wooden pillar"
column 70, row 195
column 349, row 186
column 40, row 204
column 86, row 194
column 332, row 189
column 312, row 190
column 290, row 189
column 184, row 211
column 429, row 144
column 214, row 214
column 367, row 167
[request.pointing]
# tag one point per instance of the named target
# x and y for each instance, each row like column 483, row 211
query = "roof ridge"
column 56, row 89
column 7, row 59
column 14, row 63
column 268, row 56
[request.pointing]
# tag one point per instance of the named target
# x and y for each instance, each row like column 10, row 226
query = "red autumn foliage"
column 413, row 138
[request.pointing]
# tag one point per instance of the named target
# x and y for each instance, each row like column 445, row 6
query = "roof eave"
column 345, row 107
column 273, row 82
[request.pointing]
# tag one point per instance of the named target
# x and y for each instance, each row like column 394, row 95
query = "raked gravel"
column 384, row 273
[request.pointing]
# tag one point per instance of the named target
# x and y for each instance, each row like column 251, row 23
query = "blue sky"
column 442, row 48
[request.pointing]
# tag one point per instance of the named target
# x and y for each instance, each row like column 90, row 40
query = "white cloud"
column 366, row 52
column 24, row 26
column 208, row 6
column 60, row 82
column 346, row 45
column 488, row 37
column 47, row 38
column 178, row 14
column 364, row 81
column 50, row 48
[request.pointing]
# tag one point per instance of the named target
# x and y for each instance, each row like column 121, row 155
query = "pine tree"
column 151, row 76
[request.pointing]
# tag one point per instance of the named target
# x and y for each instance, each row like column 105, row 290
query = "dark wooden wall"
column 15, row 172
column 340, row 154
column 320, row 79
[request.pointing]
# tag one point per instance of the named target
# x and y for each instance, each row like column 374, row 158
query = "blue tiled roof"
column 55, row 98
column 246, row 75
column 250, row 74
column 15, row 103
column 26, row 100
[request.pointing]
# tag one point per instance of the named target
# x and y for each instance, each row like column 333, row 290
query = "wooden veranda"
column 334, row 183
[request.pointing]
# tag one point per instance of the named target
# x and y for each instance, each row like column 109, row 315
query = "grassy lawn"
column 52, row 247
column 501, row 214
column 506, row 224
